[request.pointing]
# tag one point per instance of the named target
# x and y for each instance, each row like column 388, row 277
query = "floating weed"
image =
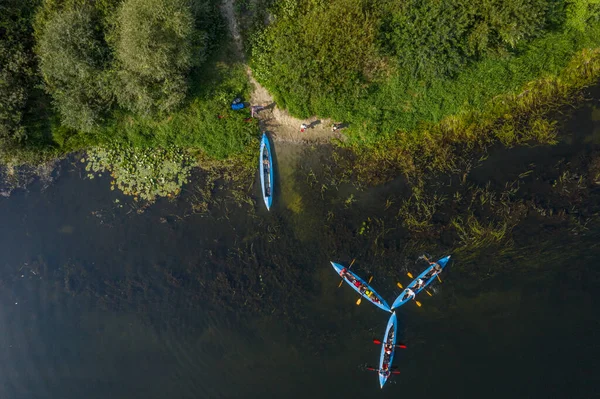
column 142, row 172
column 349, row 201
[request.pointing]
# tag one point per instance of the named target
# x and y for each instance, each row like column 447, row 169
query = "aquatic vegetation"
column 144, row 173
column 474, row 234
column 417, row 211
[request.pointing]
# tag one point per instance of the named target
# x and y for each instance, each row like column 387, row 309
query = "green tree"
column 73, row 61
column 156, row 46
column 17, row 69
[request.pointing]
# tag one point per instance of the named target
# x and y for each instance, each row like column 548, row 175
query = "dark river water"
column 98, row 300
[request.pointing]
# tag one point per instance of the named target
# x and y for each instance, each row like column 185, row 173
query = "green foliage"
column 73, row 57
column 207, row 123
column 18, row 77
column 326, row 52
column 143, row 173
column 427, row 37
column 582, row 13
column 157, row 45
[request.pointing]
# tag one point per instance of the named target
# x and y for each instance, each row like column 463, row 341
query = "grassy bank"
column 518, row 118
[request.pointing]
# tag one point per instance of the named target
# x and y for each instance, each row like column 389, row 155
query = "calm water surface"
column 100, row 301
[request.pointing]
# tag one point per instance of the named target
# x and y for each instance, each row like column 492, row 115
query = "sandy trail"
column 281, row 125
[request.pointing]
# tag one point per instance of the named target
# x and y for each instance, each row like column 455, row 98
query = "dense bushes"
column 393, row 64
column 319, row 52
column 431, row 38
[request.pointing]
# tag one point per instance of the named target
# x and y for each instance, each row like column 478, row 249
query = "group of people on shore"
column 334, row 127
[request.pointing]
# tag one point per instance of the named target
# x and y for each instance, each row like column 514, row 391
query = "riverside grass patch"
column 518, row 118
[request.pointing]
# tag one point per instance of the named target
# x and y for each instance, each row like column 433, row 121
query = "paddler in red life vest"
column 388, row 349
column 343, row 272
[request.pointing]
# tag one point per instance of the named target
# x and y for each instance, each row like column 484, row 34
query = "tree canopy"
column 157, row 44
column 73, row 59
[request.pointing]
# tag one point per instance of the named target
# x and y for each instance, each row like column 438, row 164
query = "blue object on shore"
column 380, row 303
column 403, row 298
column 265, row 166
column 389, row 337
column 237, row 106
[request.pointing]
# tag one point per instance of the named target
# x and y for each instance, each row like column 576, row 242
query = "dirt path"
column 281, row 125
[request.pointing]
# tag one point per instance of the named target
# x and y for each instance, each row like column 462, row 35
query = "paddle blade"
column 351, row 263
column 409, row 275
column 376, row 341
column 341, row 282
column 401, row 346
column 418, row 303
column 371, row 369
column 400, row 285
column 428, row 293
column 395, row 372
column 370, row 279
column 438, row 276
column 358, row 301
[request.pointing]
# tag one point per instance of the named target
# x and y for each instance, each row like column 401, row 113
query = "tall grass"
column 515, row 118
column 403, row 103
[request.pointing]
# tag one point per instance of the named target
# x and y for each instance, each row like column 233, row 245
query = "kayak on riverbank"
column 361, row 286
column 427, row 277
column 265, row 166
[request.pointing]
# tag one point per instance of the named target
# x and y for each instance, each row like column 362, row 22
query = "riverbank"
column 441, row 128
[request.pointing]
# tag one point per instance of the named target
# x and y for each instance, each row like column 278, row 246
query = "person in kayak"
column 266, row 164
column 343, row 272
column 388, row 349
column 385, row 372
column 419, row 284
column 409, row 294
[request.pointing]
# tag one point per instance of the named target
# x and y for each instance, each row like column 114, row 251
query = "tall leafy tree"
column 157, row 44
column 17, row 68
column 73, row 60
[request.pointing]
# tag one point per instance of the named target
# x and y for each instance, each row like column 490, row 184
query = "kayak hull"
column 401, row 300
column 382, row 305
column 266, row 173
column 391, row 334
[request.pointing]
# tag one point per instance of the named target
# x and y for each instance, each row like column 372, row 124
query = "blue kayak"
column 385, row 360
column 265, row 166
column 359, row 285
column 426, row 276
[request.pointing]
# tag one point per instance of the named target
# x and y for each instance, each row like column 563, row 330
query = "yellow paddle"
column 438, row 276
column 400, row 285
column 351, row 263
column 360, row 299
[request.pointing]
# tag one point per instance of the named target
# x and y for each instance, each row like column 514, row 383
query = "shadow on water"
column 103, row 297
